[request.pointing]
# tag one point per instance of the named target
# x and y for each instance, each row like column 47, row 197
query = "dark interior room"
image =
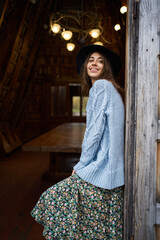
column 40, row 94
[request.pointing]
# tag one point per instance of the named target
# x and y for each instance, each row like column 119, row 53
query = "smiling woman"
column 95, row 66
column 106, row 66
column 89, row 204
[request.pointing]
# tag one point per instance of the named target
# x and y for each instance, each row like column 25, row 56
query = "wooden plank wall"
column 141, row 123
column 147, row 113
column 21, row 47
column 130, row 88
column 158, row 166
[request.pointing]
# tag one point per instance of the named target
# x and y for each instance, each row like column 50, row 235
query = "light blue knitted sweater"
column 102, row 158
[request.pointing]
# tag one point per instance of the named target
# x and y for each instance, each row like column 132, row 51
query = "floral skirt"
column 75, row 209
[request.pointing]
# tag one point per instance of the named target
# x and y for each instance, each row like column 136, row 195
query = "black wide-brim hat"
column 113, row 58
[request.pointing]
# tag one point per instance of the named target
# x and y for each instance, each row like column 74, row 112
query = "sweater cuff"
column 78, row 166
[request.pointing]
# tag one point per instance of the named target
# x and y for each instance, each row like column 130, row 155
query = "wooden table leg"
column 61, row 166
column 53, row 175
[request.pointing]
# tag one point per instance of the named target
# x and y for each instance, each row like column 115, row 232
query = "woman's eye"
column 92, row 60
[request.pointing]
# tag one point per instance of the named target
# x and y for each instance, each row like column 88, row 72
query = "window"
column 79, row 106
column 76, row 102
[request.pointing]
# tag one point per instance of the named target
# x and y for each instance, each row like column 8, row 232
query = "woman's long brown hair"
column 86, row 83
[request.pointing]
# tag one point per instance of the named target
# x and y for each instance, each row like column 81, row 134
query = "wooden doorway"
column 141, row 166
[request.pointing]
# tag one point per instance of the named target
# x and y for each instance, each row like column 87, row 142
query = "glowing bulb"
column 95, row 33
column 98, row 43
column 117, row 27
column 70, row 46
column 67, row 35
column 123, row 9
column 55, row 28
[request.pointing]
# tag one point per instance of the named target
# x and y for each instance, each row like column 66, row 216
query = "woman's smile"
column 92, row 69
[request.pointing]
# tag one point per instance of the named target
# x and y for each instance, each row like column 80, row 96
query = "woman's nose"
column 94, row 63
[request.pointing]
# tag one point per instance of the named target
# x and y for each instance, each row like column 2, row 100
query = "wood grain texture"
column 159, row 91
column 158, row 174
column 147, row 114
column 158, row 159
column 141, row 119
column 157, row 232
column 158, row 214
column 130, row 129
column 64, row 138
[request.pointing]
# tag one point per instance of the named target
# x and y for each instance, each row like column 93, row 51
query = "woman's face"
column 95, row 66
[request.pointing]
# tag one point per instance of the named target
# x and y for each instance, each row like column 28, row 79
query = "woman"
column 89, row 204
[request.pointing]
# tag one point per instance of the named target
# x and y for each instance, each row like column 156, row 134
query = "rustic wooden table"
column 64, row 146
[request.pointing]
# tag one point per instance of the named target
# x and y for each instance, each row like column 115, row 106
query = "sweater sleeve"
column 96, row 122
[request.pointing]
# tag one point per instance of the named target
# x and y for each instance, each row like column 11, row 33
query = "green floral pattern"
column 75, row 209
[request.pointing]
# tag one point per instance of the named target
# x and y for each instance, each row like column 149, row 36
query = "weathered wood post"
column 142, row 50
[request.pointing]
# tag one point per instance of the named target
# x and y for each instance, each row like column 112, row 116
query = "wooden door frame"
column 141, row 85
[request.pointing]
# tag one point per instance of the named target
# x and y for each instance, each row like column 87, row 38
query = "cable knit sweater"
column 102, row 157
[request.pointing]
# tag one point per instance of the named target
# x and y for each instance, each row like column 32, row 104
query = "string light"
column 70, row 46
column 94, row 33
column 123, row 9
column 62, row 22
column 55, row 28
column 117, row 27
column 66, row 35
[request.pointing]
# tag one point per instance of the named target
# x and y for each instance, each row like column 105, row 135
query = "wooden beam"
column 159, row 90
column 147, row 114
column 130, row 143
column 158, row 137
column 141, row 140
column 157, row 226
column 158, row 213
column 4, row 6
column 158, row 174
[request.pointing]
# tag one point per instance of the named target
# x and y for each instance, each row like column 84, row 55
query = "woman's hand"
column 73, row 172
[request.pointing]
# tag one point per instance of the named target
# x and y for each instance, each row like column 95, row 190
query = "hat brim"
column 114, row 59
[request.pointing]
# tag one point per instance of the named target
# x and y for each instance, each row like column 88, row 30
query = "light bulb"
column 66, row 35
column 70, row 46
column 94, row 33
column 117, row 27
column 98, row 43
column 123, row 9
column 55, row 27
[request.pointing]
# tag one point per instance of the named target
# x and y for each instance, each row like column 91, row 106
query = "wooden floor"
column 21, row 186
